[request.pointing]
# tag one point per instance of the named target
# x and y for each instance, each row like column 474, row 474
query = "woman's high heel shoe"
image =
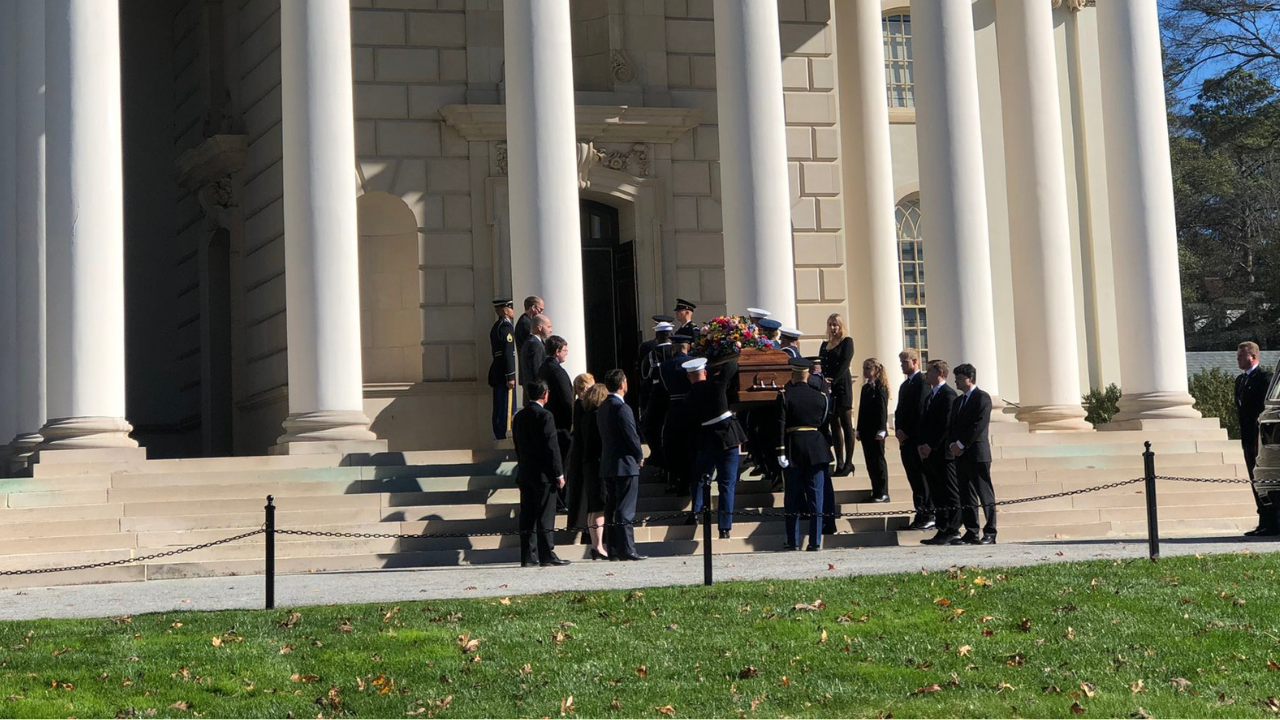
column 597, row 555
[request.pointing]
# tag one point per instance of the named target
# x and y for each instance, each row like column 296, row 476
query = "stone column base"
column 21, row 448
column 1054, row 418
column 1160, row 405
column 999, row 410
column 87, row 433
column 328, row 431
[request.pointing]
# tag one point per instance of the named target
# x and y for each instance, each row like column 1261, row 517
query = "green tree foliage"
column 1101, row 404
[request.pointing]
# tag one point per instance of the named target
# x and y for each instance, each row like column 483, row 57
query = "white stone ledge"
column 595, row 123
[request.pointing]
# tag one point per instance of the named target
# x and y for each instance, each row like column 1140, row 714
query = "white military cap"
column 664, row 327
column 792, row 333
column 758, row 313
column 694, row 365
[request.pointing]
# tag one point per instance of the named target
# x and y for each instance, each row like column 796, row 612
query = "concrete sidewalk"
column 377, row 586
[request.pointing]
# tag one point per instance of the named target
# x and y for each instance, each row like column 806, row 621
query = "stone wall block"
column 438, row 30
column 371, row 27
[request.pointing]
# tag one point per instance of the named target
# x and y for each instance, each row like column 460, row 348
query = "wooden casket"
column 761, row 374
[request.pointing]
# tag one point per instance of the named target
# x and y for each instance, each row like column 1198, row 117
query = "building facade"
column 242, row 226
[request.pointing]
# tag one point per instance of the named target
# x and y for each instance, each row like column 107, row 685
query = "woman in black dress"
column 837, row 354
column 593, row 489
column 575, row 490
column 873, row 428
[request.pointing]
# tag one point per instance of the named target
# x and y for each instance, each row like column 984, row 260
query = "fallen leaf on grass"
column 526, row 670
column 384, row 684
column 616, row 704
column 982, row 582
column 180, row 705
column 303, row 678
column 566, row 705
column 1089, row 689
column 666, row 710
column 1180, row 684
column 815, row 605
column 1140, row 714
column 822, row 638
column 390, row 613
column 291, row 620
column 755, row 702
column 786, row 681
column 942, row 602
column 505, row 601
column 748, row 672
column 1271, row 704
column 468, row 644
column 1137, row 686
column 217, row 641
column 1004, row 686
column 1077, row 708
column 642, row 671
column 419, row 711
column 1070, row 634
column 122, row 619
column 1025, row 625
column 1272, row 665
column 929, row 689
column 345, row 627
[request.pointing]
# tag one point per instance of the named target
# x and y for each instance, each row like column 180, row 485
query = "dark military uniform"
column 656, row 399
column 802, row 410
column 690, row 328
column 502, row 369
column 678, row 452
column 717, row 439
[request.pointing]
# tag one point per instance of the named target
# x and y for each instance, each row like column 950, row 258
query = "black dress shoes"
column 814, row 548
column 942, row 538
column 724, row 534
column 987, row 540
column 553, row 561
column 788, row 547
column 1262, row 531
column 843, row 471
column 970, row 538
column 633, row 558
column 880, row 499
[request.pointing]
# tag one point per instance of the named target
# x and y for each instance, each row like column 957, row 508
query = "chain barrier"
column 639, row 522
column 126, row 561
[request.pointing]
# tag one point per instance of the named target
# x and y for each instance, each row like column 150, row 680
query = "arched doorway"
column 609, row 292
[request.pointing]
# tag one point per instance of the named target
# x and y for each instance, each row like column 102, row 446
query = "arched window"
column 915, row 323
column 899, row 75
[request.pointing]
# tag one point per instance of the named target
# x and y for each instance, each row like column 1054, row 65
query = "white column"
column 322, row 282
column 953, row 199
column 1044, row 297
column 31, row 415
column 85, row 227
column 8, row 221
column 867, row 167
column 755, row 196
column 1144, row 242
column 542, row 151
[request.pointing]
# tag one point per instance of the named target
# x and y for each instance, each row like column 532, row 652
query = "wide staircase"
column 74, row 513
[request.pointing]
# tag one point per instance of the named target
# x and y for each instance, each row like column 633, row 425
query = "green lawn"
column 1192, row 637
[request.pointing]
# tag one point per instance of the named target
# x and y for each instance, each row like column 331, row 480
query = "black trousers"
column 877, row 468
column 503, row 397
column 921, row 497
column 537, row 522
column 1268, row 516
column 620, row 507
column 944, row 488
column 976, row 489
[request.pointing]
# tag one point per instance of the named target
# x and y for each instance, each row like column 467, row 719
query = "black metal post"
column 1153, row 523
column 270, row 533
column 706, row 530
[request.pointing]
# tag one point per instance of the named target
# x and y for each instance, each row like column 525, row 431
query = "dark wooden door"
column 609, row 294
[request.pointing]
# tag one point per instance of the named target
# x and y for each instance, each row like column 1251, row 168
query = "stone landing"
column 71, row 513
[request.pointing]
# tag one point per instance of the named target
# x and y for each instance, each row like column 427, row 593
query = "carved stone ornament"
column 207, row 170
column 1074, row 5
column 500, row 158
column 587, row 156
column 217, row 199
column 622, row 70
column 634, row 159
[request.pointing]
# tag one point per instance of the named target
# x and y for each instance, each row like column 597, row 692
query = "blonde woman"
column 837, row 354
column 873, row 427
column 593, row 490
column 574, row 489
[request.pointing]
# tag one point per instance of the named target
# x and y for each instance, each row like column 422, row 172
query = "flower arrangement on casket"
column 726, row 336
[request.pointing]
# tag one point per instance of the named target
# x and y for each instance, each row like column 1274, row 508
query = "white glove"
column 783, row 462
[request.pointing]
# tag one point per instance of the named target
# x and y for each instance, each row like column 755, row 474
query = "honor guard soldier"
column 717, row 436
column 678, row 451
column 642, row 355
column 502, row 368
column 819, row 381
column 769, row 329
column 684, row 319
column 789, row 340
column 803, row 452
column 656, row 400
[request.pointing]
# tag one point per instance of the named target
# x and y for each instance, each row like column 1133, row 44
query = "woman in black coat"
column 592, row 488
column 837, row 355
column 575, row 488
column 873, row 428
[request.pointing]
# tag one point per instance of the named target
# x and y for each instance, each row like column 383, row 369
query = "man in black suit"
column 1251, row 400
column 968, row 443
column 539, row 473
column 534, row 351
column 620, row 460
column 912, row 395
column 533, row 307
column 803, row 453
column 559, row 389
column 502, row 368
column 939, row 465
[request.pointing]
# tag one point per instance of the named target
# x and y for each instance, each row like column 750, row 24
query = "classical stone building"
column 243, row 226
